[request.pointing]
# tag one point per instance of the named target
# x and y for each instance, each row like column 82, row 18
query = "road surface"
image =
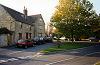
column 31, row 56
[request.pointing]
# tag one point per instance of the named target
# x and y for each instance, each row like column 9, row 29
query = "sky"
column 96, row 4
column 44, row 7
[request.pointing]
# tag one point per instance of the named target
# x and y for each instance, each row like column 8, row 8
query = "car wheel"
column 25, row 47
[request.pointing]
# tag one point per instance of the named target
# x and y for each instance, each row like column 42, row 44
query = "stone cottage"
column 22, row 25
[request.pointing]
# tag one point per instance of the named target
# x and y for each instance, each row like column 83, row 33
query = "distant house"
column 39, row 26
column 22, row 25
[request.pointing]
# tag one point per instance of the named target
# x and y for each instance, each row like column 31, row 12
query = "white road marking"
column 69, row 59
column 26, row 57
column 59, row 61
column 39, row 55
column 21, row 57
column 15, row 52
column 12, row 59
column 18, row 58
column 2, row 61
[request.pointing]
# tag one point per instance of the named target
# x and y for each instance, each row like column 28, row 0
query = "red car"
column 25, row 44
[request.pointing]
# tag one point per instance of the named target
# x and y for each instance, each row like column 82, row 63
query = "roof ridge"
column 11, row 9
column 17, row 16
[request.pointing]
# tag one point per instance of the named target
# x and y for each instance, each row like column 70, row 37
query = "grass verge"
column 98, row 63
column 64, row 46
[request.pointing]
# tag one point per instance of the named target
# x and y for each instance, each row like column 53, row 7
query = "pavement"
column 32, row 56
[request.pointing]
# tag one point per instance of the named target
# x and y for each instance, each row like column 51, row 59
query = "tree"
column 74, row 18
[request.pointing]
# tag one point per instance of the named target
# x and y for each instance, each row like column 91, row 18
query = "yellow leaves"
column 98, row 63
column 66, row 9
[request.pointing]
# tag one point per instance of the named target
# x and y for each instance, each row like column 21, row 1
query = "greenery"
column 65, row 46
column 75, row 18
column 97, row 63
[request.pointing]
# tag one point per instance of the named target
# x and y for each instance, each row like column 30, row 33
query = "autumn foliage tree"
column 74, row 18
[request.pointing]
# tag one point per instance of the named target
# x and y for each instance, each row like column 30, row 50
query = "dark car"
column 39, row 40
column 25, row 44
column 48, row 39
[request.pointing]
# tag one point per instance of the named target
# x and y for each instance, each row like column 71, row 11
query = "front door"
column 26, row 35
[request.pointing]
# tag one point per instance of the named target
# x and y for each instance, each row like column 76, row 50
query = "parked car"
column 48, row 39
column 34, row 42
column 39, row 40
column 93, row 39
column 24, row 43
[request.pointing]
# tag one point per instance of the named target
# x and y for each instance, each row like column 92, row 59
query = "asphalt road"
column 31, row 56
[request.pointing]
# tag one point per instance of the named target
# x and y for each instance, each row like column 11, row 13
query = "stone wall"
column 23, row 28
column 3, row 40
column 39, row 27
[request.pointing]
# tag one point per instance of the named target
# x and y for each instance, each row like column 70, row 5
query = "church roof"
column 19, row 16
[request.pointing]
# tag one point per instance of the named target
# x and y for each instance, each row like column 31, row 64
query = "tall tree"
column 74, row 17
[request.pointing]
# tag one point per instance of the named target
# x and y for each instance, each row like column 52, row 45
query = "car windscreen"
column 20, row 41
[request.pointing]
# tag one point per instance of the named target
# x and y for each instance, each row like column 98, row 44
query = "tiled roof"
column 19, row 16
column 37, row 16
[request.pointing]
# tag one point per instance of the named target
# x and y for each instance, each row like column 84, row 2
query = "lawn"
column 97, row 63
column 65, row 46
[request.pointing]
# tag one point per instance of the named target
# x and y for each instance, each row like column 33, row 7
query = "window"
column 40, row 19
column 40, row 27
column 30, row 28
column 20, row 24
column 26, row 35
column 20, row 35
column 30, row 35
column 40, row 34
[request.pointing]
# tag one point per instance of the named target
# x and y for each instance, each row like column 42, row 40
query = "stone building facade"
column 39, row 26
column 22, row 25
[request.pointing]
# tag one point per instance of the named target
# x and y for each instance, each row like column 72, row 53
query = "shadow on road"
column 29, row 49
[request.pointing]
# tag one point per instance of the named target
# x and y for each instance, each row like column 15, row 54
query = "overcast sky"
column 44, row 7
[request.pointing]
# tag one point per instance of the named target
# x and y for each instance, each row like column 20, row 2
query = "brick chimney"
column 25, row 11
